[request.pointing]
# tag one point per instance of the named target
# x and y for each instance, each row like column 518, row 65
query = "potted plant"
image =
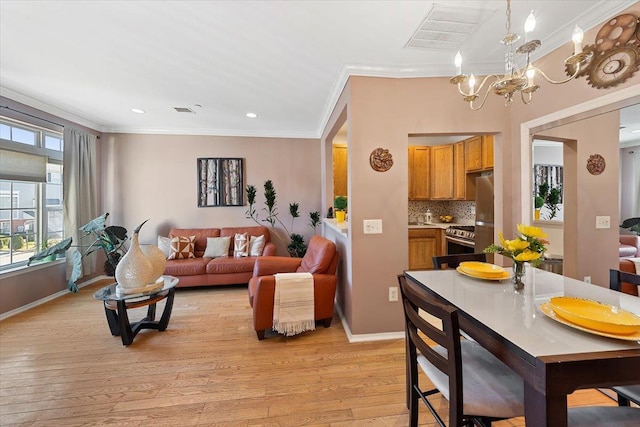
column 538, row 204
column 296, row 246
column 110, row 239
column 340, row 206
column 551, row 197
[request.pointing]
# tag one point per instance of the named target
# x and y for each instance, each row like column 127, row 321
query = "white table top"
column 517, row 316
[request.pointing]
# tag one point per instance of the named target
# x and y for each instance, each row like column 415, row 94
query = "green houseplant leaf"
column 58, row 248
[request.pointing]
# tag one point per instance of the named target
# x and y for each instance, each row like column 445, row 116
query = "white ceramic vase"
column 157, row 259
column 134, row 270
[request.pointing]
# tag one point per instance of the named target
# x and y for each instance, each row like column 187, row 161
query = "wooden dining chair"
column 452, row 261
column 477, row 385
column 618, row 280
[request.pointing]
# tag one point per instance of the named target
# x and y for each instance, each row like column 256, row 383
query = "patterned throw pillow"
column 182, row 247
column 256, row 245
column 241, row 245
column 217, row 247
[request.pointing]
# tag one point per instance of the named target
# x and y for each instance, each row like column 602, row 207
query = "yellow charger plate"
column 483, row 269
column 476, row 275
column 548, row 311
column 596, row 315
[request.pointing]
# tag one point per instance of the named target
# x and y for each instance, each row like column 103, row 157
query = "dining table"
column 554, row 357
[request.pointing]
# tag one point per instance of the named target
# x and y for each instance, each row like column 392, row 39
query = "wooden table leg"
column 123, row 322
column 112, row 320
column 541, row 410
column 166, row 314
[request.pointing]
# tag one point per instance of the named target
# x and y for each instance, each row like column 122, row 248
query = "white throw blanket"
column 293, row 304
column 636, row 261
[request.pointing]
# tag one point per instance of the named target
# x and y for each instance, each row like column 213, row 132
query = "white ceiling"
column 287, row 61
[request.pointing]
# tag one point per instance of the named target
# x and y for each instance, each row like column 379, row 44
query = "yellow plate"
column 482, row 269
column 548, row 311
column 461, row 270
column 596, row 315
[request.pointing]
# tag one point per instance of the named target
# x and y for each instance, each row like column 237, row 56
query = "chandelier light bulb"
column 531, row 73
column 458, row 61
column 529, row 26
column 577, row 37
column 472, row 84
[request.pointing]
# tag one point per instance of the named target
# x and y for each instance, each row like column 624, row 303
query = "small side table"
column 116, row 305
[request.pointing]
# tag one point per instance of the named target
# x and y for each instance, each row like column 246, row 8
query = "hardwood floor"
column 59, row 365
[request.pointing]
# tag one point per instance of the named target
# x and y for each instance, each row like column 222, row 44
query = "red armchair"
column 321, row 260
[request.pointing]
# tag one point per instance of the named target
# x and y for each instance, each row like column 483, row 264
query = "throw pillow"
column 256, row 245
column 217, row 247
column 164, row 243
column 240, row 245
column 182, row 247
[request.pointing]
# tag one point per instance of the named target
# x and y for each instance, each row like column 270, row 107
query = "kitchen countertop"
column 442, row 225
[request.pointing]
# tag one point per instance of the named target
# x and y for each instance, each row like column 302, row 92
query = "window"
column 30, row 209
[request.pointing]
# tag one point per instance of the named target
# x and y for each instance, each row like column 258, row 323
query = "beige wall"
column 154, row 176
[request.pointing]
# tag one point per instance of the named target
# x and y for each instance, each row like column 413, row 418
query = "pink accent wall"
column 154, row 176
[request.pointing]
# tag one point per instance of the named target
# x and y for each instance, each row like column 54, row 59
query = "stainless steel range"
column 460, row 239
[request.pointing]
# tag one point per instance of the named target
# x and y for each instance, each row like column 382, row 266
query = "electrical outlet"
column 372, row 226
column 587, row 279
column 603, row 222
column 393, row 293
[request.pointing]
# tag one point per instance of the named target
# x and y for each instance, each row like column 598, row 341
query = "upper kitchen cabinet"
column 460, row 179
column 339, row 170
column 442, row 172
column 478, row 153
column 419, row 172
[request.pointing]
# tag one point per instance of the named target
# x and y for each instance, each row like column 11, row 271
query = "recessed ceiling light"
column 137, row 110
column 251, row 115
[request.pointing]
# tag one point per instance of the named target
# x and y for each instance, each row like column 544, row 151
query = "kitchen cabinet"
column 424, row 243
column 478, row 153
column 459, row 173
column 442, row 176
column 419, row 172
column 339, row 170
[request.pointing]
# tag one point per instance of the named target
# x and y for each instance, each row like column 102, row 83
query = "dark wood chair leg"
column 260, row 334
column 327, row 322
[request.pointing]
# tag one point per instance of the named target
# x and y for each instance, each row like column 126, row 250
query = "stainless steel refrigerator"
column 484, row 227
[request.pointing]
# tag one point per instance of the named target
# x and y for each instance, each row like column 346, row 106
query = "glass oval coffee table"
column 116, row 305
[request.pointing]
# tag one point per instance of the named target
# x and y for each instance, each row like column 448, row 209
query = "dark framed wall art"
column 220, row 182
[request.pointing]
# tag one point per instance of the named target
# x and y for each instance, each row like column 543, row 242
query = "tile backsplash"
column 463, row 212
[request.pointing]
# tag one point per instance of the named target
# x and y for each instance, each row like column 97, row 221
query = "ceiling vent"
column 184, row 110
column 447, row 27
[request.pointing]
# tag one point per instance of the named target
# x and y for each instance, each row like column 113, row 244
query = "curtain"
column 79, row 190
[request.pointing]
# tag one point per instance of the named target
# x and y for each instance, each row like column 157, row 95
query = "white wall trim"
column 367, row 337
column 46, row 299
column 525, row 129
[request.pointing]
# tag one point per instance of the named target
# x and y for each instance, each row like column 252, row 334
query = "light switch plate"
column 603, row 222
column 372, row 226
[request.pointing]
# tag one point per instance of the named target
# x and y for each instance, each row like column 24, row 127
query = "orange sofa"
column 321, row 260
column 204, row 271
column 629, row 246
column 630, row 267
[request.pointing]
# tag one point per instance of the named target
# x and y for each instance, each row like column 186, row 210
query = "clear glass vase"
column 518, row 274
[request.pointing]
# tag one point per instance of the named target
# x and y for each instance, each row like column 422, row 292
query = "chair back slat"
column 617, row 280
column 452, row 261
column 416, row 298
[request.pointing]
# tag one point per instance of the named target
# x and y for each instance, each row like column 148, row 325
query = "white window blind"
column 17, row 166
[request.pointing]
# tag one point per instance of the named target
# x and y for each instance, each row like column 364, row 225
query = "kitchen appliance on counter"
column 460, row 239
column 484, row 227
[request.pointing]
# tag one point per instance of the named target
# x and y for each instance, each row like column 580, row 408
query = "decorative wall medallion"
column 596, row 164
column 616, row 53
column 380, row 160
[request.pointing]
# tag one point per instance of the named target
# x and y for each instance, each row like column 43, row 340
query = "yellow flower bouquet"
column 528, row 246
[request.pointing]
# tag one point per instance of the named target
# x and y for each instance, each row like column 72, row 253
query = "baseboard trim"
column 382, row 336
column 46, row 299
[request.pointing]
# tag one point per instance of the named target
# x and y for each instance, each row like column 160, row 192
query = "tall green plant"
column 551, row 197
column 296, row 245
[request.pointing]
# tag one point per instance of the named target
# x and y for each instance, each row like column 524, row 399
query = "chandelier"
column 516, row 79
